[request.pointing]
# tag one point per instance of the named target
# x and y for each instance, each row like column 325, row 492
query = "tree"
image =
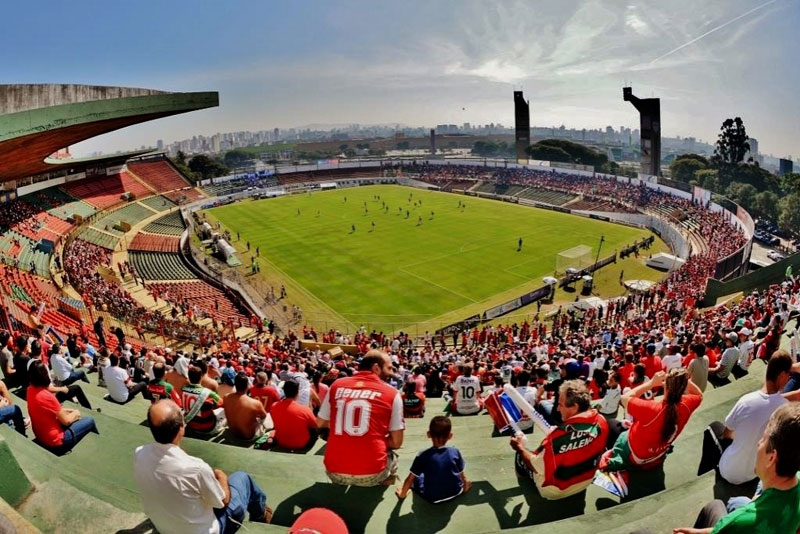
column 236, row 158
column 549, row 153
column 708, row 179
column 765, row 205
column 790, row 183
column 180, row 159
column 789, row 217
column 684, row 169
column 205, row 167
column 742, row 194
column 732, row 143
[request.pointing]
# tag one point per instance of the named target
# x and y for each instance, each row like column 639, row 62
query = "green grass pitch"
column 416, row 267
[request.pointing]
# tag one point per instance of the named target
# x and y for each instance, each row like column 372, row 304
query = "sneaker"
column 27, row 422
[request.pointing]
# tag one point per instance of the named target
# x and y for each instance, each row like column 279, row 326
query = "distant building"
column 160, row 144
column 753, row 152
column 785, row 166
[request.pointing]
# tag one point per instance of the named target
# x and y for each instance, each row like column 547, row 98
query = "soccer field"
column 418, row 262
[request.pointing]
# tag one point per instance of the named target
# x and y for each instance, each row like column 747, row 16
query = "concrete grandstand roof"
column 37, row 120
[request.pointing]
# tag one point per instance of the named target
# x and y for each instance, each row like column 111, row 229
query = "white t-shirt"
column 467, row 392
column 745, row 352
column 609, row 405
column 748, row 419
column 529, row 394
column 115, row 378
column 304, row 388
column 178, row 492
column 671, row 361
column 61, row 367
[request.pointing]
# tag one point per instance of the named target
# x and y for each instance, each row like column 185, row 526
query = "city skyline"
column 426, row 63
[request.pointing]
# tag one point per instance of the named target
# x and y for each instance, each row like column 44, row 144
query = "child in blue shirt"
column 437, row 474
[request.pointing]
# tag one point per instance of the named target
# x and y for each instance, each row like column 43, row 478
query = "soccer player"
column 365, row 416
column 353, row 229
column 467, row 390
column 519, row 244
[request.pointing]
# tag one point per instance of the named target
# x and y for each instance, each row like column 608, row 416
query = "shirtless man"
column 245, row 415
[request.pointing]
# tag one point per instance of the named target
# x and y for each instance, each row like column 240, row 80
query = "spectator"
column 121, row 389
column 295, row 424
column 11, row 413
column 609, row 404
column 158, row 388
column 776, row 510
column 563, row 471
column 57, row 429
column 656, row 423
column 732, row 445
column 182, row 494
column 437, row 474
column 245, row 416
column 265, row 393
column 718, row 375
column 362, row 441
column 99, row 330
column 63, row 370
column 7, row 359
column 413, row 402
column 698, row 367
column 202, row 407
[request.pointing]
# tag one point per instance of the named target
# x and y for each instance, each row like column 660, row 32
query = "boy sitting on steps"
column 437, row 474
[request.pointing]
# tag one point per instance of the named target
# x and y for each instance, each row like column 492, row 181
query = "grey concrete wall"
column 22, row 97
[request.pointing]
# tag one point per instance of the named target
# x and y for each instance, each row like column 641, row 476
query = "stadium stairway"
column 98, row 476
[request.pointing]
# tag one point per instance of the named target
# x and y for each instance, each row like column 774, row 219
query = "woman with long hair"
column 656, row 423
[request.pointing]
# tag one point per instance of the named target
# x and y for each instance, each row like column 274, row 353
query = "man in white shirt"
column 182, row 494
column 121, row 389
column 63, row 370
column 467, row 390
column 719, row 374
column 672, row 360
column 737, row 439
column 529, row 394
column 745, row 353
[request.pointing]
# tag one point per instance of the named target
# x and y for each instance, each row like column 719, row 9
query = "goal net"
column 578, row 257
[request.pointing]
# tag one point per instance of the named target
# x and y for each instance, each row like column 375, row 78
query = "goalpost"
column 578, row 257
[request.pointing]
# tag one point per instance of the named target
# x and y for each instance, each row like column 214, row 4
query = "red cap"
column 318, row 521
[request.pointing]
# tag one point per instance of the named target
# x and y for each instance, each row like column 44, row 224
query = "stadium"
column 437, row 262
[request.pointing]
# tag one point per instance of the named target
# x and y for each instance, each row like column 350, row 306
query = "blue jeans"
column 13, row 414
column 245, row 496
column 76, row 432
column 74, row 376
column 793, row 383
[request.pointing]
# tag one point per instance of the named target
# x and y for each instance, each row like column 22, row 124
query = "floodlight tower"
column 522, row 125
column 650, row 130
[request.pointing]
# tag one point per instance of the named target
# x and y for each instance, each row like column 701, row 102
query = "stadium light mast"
column 597, row 257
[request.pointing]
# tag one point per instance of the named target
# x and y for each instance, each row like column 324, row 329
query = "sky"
column 421, row 63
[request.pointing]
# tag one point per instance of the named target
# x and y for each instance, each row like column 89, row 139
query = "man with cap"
column 720, row 373
column 746, row 348
column 547, row 407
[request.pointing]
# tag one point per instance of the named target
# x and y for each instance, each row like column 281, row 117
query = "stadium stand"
column 170, row 224
column 103, row 239
column 155, row 243
column 159, row 266
column 106, row 192
column 160, row 175
column 133, row 214
column 159, row 203
column 205, row 299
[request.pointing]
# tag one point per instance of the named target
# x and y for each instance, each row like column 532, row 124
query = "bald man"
column 182, row 494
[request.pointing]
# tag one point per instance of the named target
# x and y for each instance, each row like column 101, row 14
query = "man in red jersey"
column 365, row 416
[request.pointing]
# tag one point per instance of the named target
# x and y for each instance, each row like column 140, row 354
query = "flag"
column 503, row 411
